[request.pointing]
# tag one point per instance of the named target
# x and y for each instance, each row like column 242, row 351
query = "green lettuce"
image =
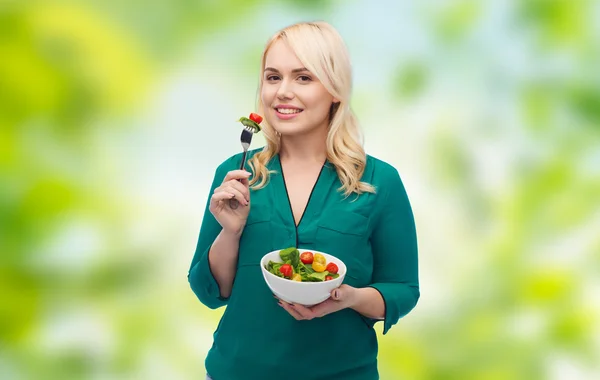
column 292, row 256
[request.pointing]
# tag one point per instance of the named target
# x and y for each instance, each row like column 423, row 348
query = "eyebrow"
column 299, row 70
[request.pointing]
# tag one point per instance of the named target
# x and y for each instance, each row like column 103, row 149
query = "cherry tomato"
column 307, row 257
column 256, row 118
column 318, row 262
column 297, row 277
column 332, row 268
column 318, row 267
column 327, row 278
column 286, row 270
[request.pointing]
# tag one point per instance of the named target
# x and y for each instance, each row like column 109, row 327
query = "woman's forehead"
column 281, row 57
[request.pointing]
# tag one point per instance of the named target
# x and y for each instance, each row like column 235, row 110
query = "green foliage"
column 92, row 283
column 411, row 80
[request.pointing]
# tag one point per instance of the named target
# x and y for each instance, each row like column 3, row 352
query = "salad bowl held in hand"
column 302, row 276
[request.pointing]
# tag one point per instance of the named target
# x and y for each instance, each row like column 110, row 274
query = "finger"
column 290, row 310
column 322, row 309
column 336, row 294
column 238, row 195
column 303, row 311
column 236, row 174
column 244, row 181
column 344, row 295
column 221, row 196
column 239, row 187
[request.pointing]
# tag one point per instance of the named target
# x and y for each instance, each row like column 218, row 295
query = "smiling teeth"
column 288, row 110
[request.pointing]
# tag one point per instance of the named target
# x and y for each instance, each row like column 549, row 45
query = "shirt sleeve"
column 394, row 244
column 200, row 277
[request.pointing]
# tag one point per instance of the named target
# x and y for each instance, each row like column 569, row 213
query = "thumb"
column 245, row 180
column 338, row 294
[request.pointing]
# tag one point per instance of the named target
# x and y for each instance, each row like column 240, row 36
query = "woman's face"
column 295, row 102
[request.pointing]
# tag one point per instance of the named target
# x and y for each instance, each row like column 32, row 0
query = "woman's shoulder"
column 380, row 171
column 386, row 178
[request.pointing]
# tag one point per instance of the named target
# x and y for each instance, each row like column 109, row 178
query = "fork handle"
column 233, row 203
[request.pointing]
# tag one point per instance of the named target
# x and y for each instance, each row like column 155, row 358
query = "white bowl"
column 303, row 293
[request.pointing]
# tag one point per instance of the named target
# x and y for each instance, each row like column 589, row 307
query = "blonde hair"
column 323, row 52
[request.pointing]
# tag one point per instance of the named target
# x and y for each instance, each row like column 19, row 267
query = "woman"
column 312, row 186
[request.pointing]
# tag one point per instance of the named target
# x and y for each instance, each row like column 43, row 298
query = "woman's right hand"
column 235, row 185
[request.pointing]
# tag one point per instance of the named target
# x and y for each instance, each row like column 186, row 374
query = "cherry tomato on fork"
column 256, row 118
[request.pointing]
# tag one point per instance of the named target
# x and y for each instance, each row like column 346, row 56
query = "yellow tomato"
column 319, row 263
column 297, row 277
column 318, row 267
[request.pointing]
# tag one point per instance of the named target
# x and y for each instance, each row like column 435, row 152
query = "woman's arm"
column 222, row 259
column 368, row 302
column 395, row 253
column 213, row 267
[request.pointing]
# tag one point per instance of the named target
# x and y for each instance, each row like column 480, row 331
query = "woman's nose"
column 284, row 91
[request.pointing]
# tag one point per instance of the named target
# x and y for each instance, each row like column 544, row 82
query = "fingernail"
column 335, row 294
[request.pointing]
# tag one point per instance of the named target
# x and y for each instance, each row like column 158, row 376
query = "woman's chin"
column 292, row 132
column 286, row 129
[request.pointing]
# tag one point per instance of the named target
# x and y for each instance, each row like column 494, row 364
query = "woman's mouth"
column 287, row 113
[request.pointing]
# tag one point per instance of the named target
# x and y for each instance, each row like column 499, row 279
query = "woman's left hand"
column 341, row 298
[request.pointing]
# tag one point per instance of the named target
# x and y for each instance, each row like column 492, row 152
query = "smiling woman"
column 306, row 67
column 333, row 198
column 289, row 91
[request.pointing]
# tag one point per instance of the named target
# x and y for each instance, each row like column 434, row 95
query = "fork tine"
column 246, row 138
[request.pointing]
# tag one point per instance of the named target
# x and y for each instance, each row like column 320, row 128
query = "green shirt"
column 373, row 234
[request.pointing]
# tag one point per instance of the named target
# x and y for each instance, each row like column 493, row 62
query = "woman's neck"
column 304, row 149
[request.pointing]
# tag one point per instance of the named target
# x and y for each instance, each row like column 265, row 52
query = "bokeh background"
column 114, row 115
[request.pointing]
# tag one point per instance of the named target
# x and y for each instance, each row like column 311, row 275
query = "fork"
column 245, row 139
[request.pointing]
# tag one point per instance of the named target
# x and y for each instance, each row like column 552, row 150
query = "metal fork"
column 245, row 139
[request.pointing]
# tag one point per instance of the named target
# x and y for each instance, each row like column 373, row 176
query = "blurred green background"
column 114, row 115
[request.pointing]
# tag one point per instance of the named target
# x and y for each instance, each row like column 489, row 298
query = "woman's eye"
column 304, row 78
column 272, row 77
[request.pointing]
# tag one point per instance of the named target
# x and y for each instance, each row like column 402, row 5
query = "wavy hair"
column 323, row 52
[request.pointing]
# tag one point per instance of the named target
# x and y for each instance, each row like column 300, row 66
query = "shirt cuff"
column 399, row 300
column 203, row 283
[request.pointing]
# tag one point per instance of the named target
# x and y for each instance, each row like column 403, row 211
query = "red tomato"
column 327, row 278
column 306, row 257
column 332, row 268
column 286, row 270
column 256, row 118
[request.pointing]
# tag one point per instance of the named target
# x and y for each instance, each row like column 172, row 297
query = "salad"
column 253, row 122
column 305, row 267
